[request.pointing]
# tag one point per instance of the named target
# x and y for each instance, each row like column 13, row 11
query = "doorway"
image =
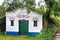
column 23, row 27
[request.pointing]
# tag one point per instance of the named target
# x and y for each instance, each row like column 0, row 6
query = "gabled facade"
column 20, row 22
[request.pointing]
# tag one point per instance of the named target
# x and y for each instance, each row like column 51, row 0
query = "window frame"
column 12, row 22
column 35, row 23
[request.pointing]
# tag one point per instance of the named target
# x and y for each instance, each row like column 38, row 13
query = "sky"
column 1, row 1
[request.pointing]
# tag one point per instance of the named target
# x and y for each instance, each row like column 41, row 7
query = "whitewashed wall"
column 15, row 28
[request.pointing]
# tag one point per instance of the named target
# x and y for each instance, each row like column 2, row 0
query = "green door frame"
column 23, row 27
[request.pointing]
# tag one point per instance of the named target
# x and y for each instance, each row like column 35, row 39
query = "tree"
column 2, row 19
column 28, row 4
column 2, row 11
column 51, row 13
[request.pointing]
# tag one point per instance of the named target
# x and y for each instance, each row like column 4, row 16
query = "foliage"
column 2, row 19
column 52, row 6
column 13, row 5
column 47, row 35
column 2, row 11
column 28, row 4
column 56, row 19
column 53, row 12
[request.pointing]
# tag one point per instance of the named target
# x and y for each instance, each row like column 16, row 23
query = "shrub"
column 49, row 34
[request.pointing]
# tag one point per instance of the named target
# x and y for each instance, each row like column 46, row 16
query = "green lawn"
column 6, row 37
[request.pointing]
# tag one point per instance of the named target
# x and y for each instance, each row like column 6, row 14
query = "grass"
column 44, row 36
column 6, row 37
column 48, row 35
column 20, row 37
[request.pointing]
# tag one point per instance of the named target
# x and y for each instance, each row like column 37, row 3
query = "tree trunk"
column 45, row 24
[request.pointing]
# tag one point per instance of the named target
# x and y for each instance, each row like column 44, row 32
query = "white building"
column 20, row 22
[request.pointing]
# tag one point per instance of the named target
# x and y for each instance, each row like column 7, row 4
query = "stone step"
column 58, row 34
column 57, row 39
column 58, row 31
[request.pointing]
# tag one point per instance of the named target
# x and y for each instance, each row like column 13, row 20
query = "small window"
column 12, row 22
column 35, row 23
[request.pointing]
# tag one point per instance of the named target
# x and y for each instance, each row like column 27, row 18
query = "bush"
column 49, row 34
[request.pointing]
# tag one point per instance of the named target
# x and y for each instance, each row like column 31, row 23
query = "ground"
column 6, row 37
